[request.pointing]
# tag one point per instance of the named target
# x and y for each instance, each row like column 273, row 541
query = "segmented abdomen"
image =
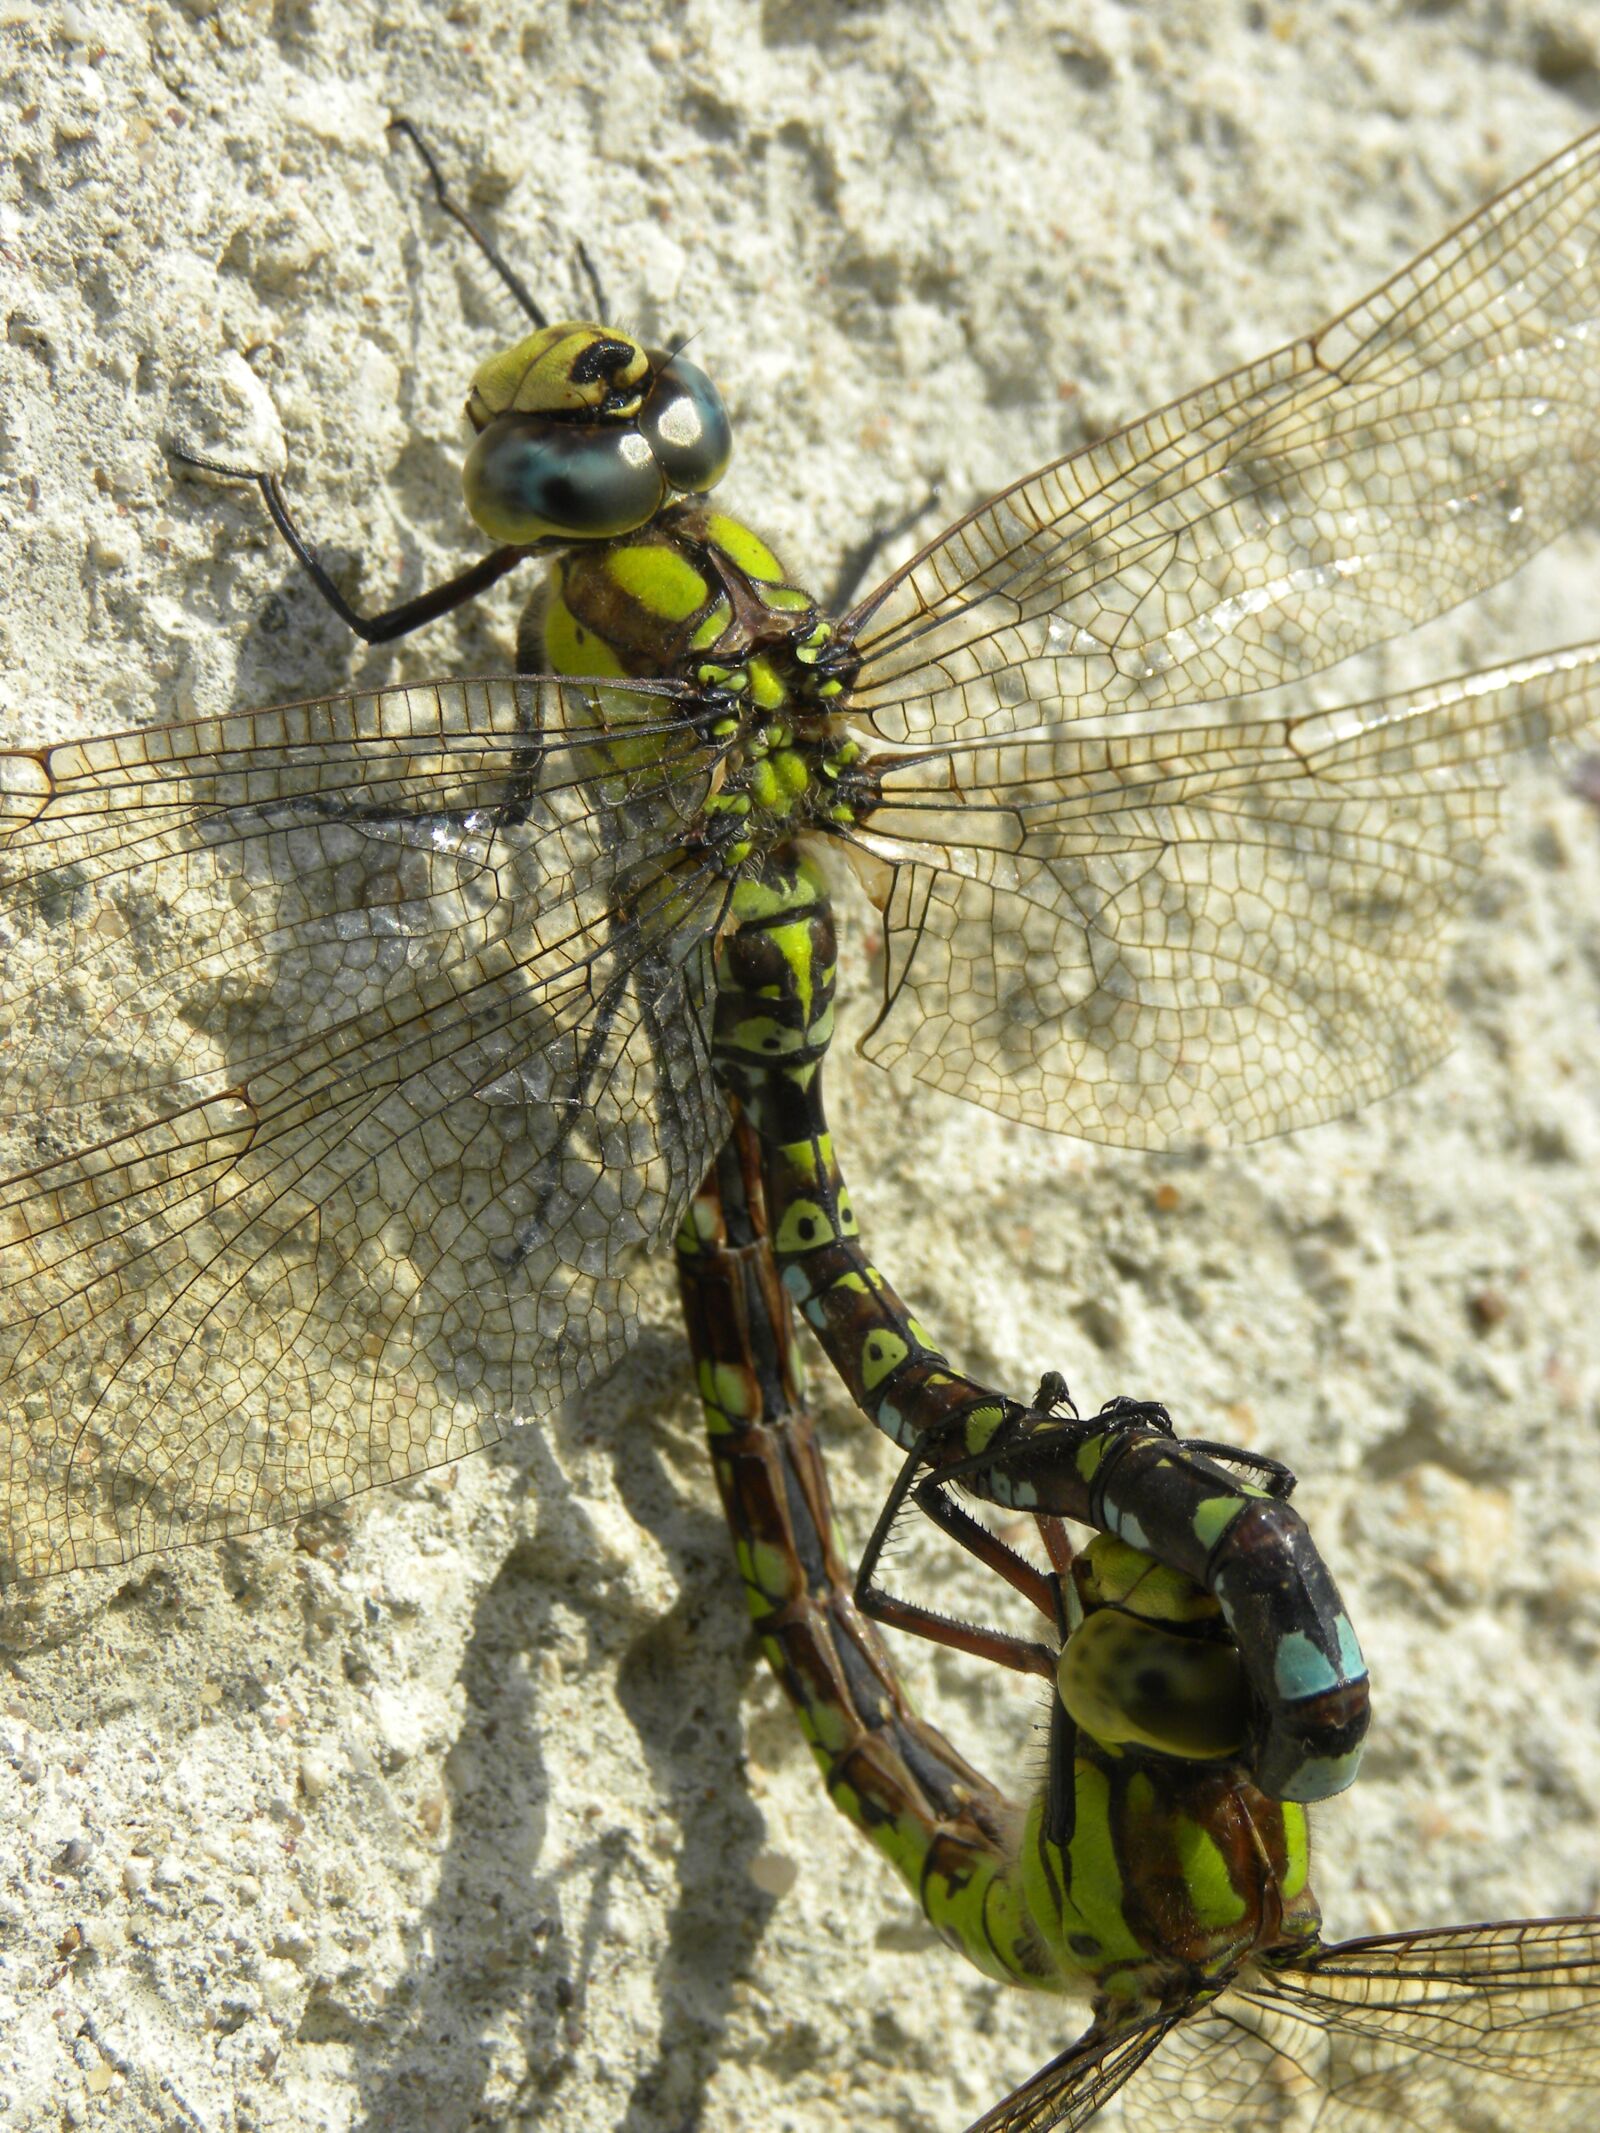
column 773, row 1025
column 944, row 1828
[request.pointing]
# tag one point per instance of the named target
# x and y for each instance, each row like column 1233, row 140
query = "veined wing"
column 1413, row 451
column 1467, row 2029
column 1463, row 2029
column 1145, row 936
column 1070, row 2090
column 354, row 1058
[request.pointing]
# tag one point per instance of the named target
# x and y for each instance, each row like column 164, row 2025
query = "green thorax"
column 1149, row 1864
column 696, row 597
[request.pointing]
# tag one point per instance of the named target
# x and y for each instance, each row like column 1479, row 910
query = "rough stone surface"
column 476, row 1810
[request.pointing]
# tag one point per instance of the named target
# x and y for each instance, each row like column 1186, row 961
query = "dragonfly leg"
column 492, row 256
column 1023, row 1655
column 651, row 977
column 392, row 622
column 441, row 599
column 1276, row 1478
column 1053, row 1532
column 513, row 282
column 1053, row 1395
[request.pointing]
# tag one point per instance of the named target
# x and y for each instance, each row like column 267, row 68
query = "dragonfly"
column 361, row 1051
column 1148, row 1873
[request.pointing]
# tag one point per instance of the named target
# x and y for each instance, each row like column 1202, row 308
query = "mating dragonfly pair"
column 362, row 1049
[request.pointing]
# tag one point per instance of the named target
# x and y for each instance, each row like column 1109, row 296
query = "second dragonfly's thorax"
column 1159, row 1883
column 1150, row 1863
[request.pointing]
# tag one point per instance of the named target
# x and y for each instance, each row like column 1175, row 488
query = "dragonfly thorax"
column 696, row 597
column 1150, row 1863
column 1159, row 1881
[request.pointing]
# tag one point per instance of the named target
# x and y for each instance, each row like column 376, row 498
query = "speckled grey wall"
column 471, row 1808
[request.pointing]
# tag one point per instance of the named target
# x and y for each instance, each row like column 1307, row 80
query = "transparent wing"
column 1468, row 2029
column 1458, row 2029
column 1232, row 929
column 1411, row 452
column 1072, row 2088
column 354, row 1057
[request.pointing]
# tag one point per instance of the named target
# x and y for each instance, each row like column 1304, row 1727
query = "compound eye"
column 528, row 478
column 686, row 425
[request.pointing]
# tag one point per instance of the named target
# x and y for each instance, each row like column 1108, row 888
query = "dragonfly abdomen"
column 944, row 1828
column 1143, row 1874
column 773, row 1022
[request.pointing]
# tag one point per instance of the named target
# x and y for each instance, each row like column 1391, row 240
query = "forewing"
column 1413, row 451
column 354, row 1057
column 1474, row 2029
column 1227, row 930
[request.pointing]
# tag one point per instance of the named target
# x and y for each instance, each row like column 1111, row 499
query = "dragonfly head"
column 1150, row 1662
column 584, row 434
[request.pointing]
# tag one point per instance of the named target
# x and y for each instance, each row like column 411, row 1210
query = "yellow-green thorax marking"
column 696, row 596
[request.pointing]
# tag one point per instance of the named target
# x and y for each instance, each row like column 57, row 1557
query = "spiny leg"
column 466, row 585
column 493, row 257
column 1023, row 1655
column 392, row 622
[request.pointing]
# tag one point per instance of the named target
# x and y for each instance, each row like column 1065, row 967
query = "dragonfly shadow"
column 718, row 1915
column 524, row 1925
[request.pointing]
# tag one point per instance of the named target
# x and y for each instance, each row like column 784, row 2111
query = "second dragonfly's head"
column 584, row 434
column 1149, row 1663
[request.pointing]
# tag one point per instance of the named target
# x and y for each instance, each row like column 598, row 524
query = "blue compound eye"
column 530, row 478
column 686, row 425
